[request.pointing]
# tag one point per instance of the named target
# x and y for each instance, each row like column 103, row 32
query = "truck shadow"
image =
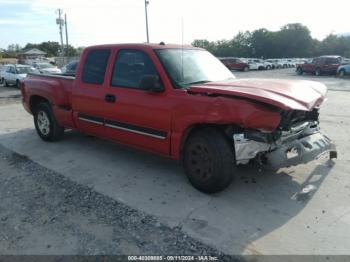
column 257, row 203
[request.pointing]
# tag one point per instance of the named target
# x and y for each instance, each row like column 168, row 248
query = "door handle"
column 110, row 98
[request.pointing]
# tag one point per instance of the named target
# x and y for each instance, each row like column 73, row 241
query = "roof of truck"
column 145, row 45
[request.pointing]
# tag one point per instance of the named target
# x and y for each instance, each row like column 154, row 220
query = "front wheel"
column 342, row 73
column 46, row 124
column 209, row 160
column 318, row 72
column 299, row 71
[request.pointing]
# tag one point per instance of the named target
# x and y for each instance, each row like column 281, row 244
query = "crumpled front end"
column 294, row 142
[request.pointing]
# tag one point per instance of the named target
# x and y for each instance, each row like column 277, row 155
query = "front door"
column 132, row 115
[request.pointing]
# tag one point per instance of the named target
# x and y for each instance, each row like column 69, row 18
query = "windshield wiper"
column 197, row 82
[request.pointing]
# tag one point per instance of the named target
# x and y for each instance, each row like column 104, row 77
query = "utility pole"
column 146, row 4
column 60, row 22
column 65, row 25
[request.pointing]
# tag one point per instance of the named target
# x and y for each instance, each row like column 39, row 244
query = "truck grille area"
column 293, row 117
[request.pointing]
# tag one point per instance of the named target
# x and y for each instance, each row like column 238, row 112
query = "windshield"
column 189, row 66
column 22, row 70
column 45, row 65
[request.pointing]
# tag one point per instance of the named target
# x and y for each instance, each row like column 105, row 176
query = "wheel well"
column 226, row 129
column 36, row 100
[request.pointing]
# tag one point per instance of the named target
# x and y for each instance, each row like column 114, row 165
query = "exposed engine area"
column 296, row 140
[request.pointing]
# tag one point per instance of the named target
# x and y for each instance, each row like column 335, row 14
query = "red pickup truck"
column 181, row 102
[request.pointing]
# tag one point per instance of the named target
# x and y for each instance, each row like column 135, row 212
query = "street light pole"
column 65, row 26
column 60, row 21
column 146, row 4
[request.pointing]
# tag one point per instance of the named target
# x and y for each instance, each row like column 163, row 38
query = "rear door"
column 310, row 66
column 88, row 93
column 132, row 115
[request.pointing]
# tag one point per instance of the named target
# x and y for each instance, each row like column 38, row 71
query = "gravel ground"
column 42, row 212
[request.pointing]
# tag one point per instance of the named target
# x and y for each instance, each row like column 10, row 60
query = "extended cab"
column 181, row 102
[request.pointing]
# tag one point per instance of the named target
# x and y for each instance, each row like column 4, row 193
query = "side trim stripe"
column 124, row 126
column 136, row 129
column 90, row 119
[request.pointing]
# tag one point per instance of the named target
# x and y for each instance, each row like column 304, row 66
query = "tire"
column 5, row 83
column 46, row 124
column 318, row 72
column 18, row 84
column 299, row 71
column 209, row 161
column 268, row 67
column 246, row 69
column 1, row 81
column 342, row 73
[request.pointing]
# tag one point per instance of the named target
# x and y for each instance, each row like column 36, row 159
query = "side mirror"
column 151, row 83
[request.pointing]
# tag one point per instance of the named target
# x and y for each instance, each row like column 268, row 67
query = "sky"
column 93, row 22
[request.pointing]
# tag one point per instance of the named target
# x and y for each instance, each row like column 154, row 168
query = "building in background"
column 31, row 55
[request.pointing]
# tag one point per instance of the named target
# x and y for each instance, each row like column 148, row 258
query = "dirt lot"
column 87, row 196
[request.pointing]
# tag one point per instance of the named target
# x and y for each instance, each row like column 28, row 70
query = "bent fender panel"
column 203, row 110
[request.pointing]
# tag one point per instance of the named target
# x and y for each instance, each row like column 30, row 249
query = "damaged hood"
column 285, row 94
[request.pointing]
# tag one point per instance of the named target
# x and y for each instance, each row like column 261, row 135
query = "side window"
column 129, row 68
column 95, row 66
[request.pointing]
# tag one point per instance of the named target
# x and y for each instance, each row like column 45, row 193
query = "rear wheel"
column 209, row 161
column 342, row 73
column 46, row 124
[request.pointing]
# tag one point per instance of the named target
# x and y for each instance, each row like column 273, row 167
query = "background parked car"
column 234, row 63
column 256, row 64
column 320, row 65
column 343, row 70
column 2, row 71
column 274, row 63
column 14, row 74
column 47, row 68
column 70, row 68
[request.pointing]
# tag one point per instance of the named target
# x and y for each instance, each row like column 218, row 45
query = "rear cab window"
column 95, row 65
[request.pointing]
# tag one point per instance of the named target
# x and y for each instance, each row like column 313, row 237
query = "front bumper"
column 278, row 155
column 301, row 151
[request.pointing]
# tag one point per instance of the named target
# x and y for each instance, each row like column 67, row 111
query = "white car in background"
column 256, row 64
column 14, row 74
column 268, row 65
column 47, row 68
column 284, row 63
column 275, row 63
column 292, row 62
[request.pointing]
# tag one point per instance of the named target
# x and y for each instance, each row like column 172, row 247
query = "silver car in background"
column 47, row 68
column 14, row 74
